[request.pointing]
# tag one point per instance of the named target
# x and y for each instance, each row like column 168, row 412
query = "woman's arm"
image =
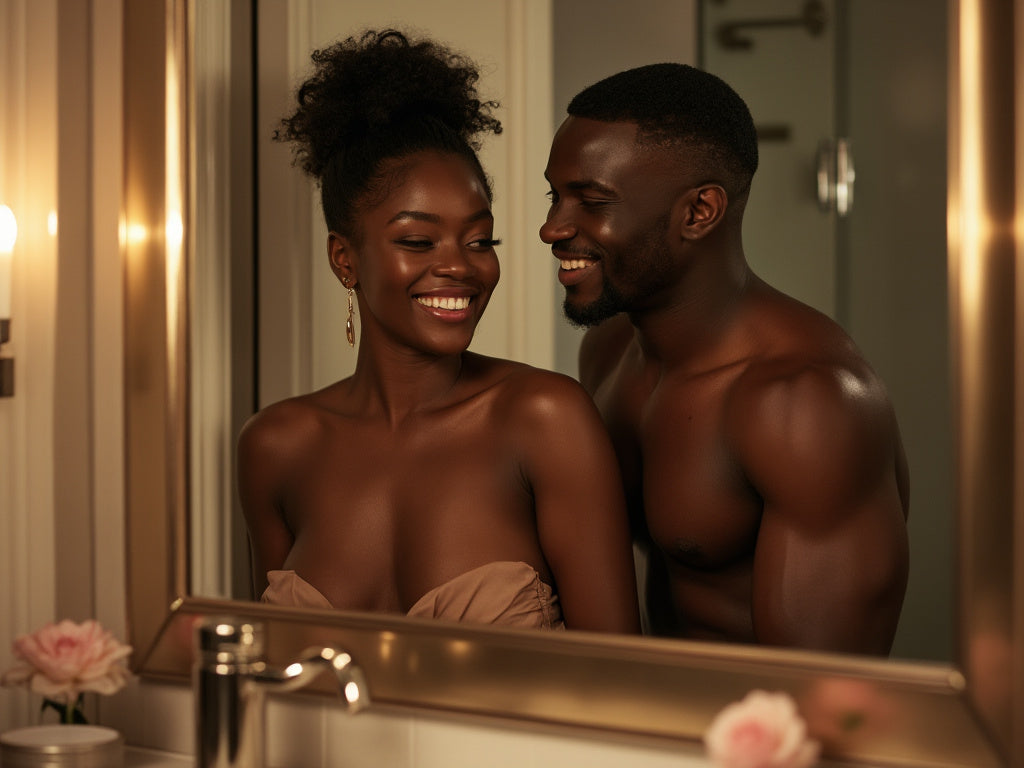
column 260, row 482
column 581, row 512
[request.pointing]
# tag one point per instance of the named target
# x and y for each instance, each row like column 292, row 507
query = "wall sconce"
column 8, row 234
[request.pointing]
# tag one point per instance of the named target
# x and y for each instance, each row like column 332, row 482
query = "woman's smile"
column 450, row 309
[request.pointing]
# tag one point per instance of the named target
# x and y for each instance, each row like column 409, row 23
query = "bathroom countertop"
column 135, row 757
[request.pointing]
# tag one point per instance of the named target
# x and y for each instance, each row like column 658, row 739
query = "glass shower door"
column 870, row 75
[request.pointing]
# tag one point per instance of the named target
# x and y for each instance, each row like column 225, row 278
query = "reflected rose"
column 764, row 730
column 63, row 660
column 844, row 711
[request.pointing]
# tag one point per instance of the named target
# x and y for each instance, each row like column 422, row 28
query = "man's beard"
column 608, row 304
column 644, row 277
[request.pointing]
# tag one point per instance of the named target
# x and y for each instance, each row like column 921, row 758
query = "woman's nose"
column 455, row 262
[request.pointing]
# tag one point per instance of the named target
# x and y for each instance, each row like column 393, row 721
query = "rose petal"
column 763, row 730
column 66, row 658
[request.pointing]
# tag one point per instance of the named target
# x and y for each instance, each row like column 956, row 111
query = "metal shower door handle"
column 835, row 176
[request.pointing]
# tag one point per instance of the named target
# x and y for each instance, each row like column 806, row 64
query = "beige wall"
column 61, row 483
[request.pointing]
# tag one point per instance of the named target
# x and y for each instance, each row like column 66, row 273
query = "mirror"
column 855, row 267
column 920, row 714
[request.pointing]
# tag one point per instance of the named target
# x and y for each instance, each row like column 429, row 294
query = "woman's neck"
column 395, row 383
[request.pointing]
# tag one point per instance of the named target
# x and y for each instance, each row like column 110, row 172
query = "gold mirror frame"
column 641, row 688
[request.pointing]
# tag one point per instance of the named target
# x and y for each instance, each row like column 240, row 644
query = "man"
column 763, row 464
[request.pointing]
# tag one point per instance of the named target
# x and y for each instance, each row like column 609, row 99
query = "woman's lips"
column 444, row 302
column 452, row 309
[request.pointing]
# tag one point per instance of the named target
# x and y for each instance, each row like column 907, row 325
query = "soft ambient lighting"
column 8, row 236
column 352, row 694
column 8, row 229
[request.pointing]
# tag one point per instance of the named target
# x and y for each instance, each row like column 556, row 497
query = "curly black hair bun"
column 377, row 97
column 381, row 81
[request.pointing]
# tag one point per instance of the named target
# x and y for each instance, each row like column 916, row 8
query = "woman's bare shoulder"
column 287, row 425
column 525, row 391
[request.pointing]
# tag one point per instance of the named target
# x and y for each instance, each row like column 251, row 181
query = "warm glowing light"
column 461, row 648
column 174, row 160
column 51, row 223
column 8, row 230
column 293, row 670
column 134, row 234
column 341, row 661
column 175, row 231
column 352, row 693
column 387, row 644
column 8, row 236
column 972, row 209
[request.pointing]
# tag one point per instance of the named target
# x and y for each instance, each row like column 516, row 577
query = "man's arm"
column 822, row 448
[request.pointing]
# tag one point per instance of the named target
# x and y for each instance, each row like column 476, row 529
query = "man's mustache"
column 563, row 248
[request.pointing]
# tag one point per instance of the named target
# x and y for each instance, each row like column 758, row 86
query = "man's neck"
column 690, row 327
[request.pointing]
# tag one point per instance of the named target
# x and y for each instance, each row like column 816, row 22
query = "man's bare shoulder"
column 819, row 422
column 601, row 349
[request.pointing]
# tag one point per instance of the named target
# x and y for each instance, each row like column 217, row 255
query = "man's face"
column 610, row 218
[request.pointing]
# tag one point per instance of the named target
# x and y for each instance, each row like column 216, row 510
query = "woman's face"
column 426, row 266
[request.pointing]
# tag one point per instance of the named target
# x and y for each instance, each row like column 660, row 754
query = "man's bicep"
column 830, row 565
column 835, row 585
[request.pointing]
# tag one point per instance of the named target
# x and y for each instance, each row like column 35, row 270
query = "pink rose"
column 842, row 711
column 763, row 730
column 62, row 660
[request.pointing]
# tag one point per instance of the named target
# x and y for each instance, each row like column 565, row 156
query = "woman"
column 433, row 481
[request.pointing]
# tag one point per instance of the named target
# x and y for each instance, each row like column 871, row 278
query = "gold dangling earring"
column 350, row 322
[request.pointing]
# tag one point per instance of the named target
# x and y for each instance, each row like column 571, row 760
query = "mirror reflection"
column 879, row 270
column 433, row 482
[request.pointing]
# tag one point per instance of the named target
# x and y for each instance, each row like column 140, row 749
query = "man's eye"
column 410, row 242
column 552, row 196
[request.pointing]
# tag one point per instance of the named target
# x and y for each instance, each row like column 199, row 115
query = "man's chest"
column 682, row 477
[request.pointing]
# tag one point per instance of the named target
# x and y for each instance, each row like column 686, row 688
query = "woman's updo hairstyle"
column 379, row 97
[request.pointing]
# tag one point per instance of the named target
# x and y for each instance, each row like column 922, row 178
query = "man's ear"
column 702, row 209
column 341, row 255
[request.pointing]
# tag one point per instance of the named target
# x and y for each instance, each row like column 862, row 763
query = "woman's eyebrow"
column 433, row 218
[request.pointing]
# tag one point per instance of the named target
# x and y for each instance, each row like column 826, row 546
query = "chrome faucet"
column 230, row 680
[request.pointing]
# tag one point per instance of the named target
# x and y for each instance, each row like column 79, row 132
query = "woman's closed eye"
column 416, row 243
column 483, row 243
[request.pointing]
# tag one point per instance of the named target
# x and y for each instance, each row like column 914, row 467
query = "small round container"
column 62, row 746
